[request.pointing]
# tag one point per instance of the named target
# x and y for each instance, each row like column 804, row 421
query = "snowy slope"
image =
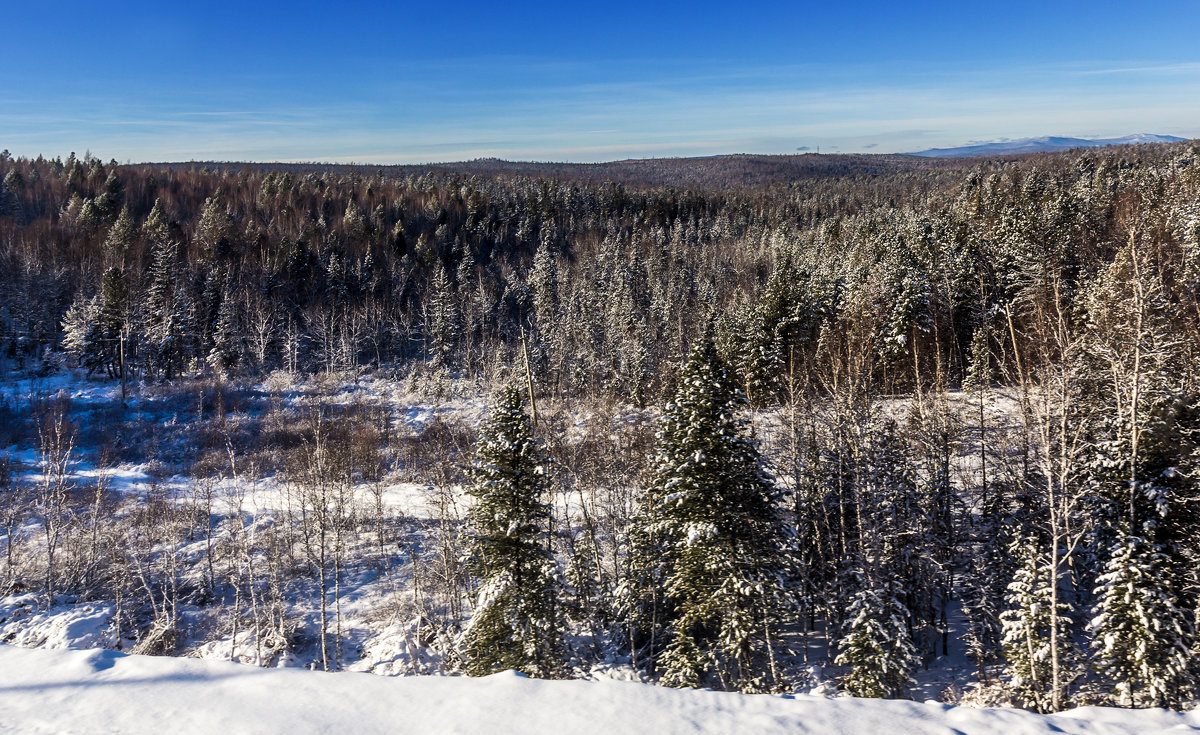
column 98, row 691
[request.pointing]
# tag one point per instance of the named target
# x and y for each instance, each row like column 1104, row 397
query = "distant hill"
column 1044, row 144
column 726, row 172
column 710, row 172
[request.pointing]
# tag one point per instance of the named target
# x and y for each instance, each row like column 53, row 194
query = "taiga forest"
column 884, row 426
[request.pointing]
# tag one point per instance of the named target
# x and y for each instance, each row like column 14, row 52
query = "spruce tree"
column 226, row 348
column 706, row 596
column 516, row 623
column 1141, row 637
column 877, row 646
column 443, row 326
column 1026, row 623
column 163, row 313
column 82, row 333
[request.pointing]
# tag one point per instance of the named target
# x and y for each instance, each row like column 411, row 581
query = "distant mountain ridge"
column 718, row 173
column 726, row 172
column 1044, row 144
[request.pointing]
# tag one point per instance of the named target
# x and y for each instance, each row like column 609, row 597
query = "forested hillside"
column 866, row 420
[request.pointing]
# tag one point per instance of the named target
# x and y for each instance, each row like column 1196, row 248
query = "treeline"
column 976, row 389
column 246, row 271
column 711, row 172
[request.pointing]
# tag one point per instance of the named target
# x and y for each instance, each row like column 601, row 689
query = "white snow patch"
column 100, row 691
column 85, row 625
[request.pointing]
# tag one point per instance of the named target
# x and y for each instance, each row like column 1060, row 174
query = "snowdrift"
column 100, row 691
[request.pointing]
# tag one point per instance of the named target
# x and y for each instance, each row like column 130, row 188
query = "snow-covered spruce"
column 1026, row 624
column 877, row 646
column 706, row 600
column 515, row 624
column 1140, row 636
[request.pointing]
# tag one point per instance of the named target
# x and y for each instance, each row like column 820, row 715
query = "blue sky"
column 583, row 81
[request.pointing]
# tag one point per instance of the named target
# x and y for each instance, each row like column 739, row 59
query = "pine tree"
column 516, row 623
column 1141, row 637
column 708, row 563
column 877, row 646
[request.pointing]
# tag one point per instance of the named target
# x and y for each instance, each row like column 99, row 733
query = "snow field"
column 98, row 691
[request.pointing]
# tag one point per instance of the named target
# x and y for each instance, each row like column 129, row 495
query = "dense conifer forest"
column 819, row 421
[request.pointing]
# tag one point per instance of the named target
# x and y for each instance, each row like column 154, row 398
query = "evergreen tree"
column 708, row 544
column 82, row 333
column 156, row 229
column 225, row 352
column 119, row 238
column 163, row 311
column 113, row 316
column 876, row 645
column 516, row 623
column 1026, row 625
column 1140, row 636
column 109, row 201
column 442, row 321
column 1141, row 481
column 212, row 231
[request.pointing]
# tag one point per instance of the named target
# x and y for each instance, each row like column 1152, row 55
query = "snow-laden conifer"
column 515, row 624
column 876, row 645
column 1025, row 632
column 706, row 597
column 1140, row 635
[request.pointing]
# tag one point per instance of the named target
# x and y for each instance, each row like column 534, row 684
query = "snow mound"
column 63, row 691
column 69, row 626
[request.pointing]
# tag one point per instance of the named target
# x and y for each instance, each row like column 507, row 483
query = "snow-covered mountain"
column 1041, row 145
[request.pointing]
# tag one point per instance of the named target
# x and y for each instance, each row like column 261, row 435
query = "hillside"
column 709, row 172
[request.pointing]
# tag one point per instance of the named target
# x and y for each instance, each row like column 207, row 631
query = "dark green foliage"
column 706, row 597
column 876, row 646
column 1142, row 639
column 516, row 622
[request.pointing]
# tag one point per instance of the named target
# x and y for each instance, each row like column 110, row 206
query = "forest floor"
column 150, row 445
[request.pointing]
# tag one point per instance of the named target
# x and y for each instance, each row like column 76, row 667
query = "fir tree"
column 1026, row 625
column 516, row 623
column 1141, row 637
column 708, row 543
column 876, row 645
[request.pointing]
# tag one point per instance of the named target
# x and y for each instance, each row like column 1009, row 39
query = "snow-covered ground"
column 100, row 691
column 384, row 628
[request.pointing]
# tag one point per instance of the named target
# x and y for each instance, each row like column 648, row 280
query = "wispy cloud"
column 1167, row 69
column 573, row 112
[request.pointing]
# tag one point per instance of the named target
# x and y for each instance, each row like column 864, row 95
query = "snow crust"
column 101, row 691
